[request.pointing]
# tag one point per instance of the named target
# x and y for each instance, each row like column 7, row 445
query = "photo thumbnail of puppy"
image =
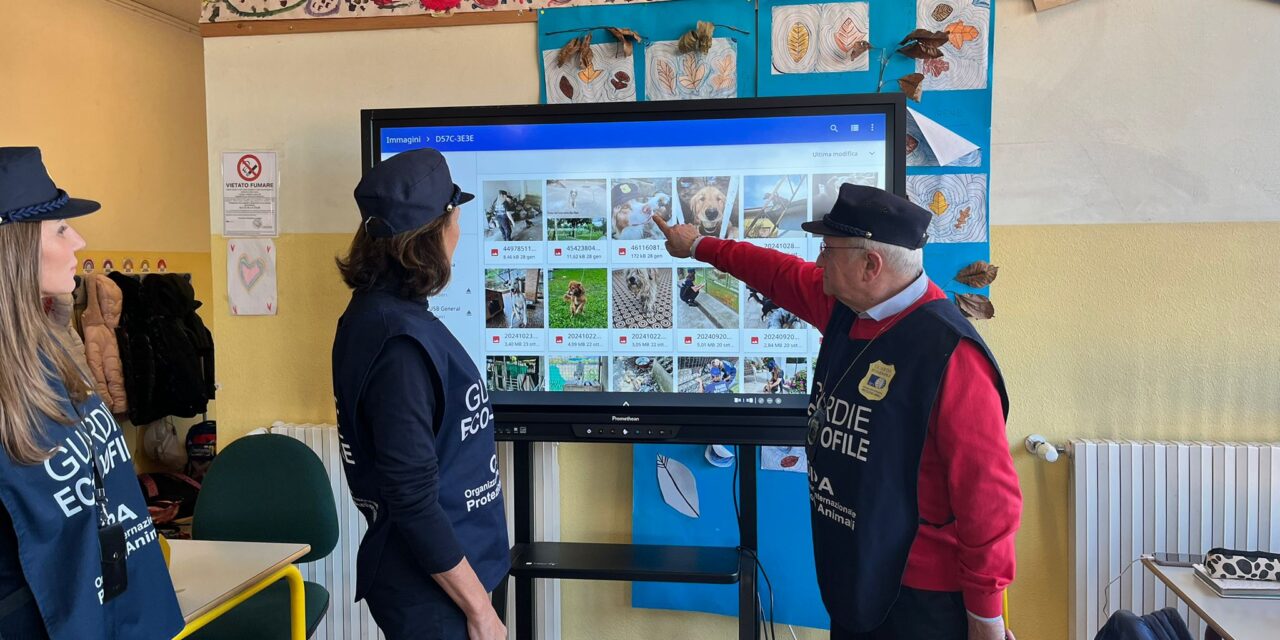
column 708, row 299
column 578, row 299
column 759, row 312
column 826, row 188
column 709, row 375
column 514, row 373
column 577, row 373
column 771, row 374
column 514, row 298
column 576, row 209
column 643, row 374
column 634, row 202
column 774, row 206
column 512, row 210
column 642, row 298
column 710, row 204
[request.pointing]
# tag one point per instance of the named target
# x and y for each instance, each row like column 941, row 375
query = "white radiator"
column 346, row 619
column 1134, row 498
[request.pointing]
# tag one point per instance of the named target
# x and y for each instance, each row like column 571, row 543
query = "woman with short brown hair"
column 414, row 416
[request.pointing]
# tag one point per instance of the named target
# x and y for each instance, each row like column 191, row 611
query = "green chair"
column 267, row 488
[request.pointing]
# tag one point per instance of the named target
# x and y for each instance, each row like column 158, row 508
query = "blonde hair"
column 30, row 350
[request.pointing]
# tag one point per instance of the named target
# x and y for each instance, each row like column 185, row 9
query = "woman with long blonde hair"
column 78, row 552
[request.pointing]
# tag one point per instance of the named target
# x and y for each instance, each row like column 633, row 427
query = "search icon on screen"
column 834, row 129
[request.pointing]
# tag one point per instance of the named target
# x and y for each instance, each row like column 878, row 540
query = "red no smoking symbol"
column 249, row 167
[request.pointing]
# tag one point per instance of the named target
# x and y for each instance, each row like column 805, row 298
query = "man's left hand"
column 984, row 630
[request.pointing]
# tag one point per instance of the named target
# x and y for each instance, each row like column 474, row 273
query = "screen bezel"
column 697, row 423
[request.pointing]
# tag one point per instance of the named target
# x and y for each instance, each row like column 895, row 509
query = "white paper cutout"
column 679, row 487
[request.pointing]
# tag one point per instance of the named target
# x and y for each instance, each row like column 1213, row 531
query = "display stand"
column 532, row 560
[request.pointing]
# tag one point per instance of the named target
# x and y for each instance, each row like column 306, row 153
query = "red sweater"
column 965, row 470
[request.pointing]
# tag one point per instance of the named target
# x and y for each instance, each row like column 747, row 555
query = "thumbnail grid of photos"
column 595, row 285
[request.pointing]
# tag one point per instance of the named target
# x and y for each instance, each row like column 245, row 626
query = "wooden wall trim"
column 325, row 25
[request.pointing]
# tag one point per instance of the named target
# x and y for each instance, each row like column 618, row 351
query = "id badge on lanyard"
column 115, row 574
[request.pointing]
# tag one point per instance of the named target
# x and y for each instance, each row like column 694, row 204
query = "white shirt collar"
column 899, row 302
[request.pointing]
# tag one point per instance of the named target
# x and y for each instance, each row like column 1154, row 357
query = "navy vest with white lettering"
column 470, row 491
column 56, row 523
column 864, row 452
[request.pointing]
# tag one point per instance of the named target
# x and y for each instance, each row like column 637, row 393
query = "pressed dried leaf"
column 942, row 12
column 912, row 143
column 566, row 87
column 846, row 35
column 624, row 38
column 860, row 47
column 667, row 76
column 587, row 56
column 927, row 37
column 963, row 218
column 697, row 39
column 798, row 41
column 569, row 50
column 911, row 84
column 978, row 275
column 921, row 51
column 975, row 305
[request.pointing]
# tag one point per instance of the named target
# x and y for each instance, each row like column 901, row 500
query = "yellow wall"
column 1128, row 330
column 115, row 101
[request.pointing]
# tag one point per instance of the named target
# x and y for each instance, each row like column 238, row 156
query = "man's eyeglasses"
column 824, row 247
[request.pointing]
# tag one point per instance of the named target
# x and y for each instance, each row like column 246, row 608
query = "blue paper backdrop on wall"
column 784, row 529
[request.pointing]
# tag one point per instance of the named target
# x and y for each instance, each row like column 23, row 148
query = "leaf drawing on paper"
column 958, row 202
column 959, row 33
column 935, row 67
column 847, row 35
column 566, row 87
column 912, row 144
column 666, row 76
column 975, row 305
column 694, row 73
column 798, row 41
column 726, row 73
column 589, row 73
column 963, row 25
column 939, row 205
column 978, row 274
column 679, row 487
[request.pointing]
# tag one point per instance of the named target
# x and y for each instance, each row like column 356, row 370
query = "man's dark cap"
column 874, row 214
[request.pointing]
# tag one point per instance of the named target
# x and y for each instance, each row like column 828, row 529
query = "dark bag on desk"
column 1164, row 624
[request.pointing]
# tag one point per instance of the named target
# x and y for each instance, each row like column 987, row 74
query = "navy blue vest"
column 864, row 446
column 470, row 489
column 56, row 523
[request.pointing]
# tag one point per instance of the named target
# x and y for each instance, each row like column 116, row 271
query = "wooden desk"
column 213, row 577
column 1232, row 618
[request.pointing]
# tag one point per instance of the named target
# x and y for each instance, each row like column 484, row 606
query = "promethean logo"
column 624, row 418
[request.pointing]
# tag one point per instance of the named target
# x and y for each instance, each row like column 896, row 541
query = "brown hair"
column 415, row 261
column 30, row 350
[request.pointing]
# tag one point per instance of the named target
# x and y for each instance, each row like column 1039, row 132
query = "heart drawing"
column 251, row 271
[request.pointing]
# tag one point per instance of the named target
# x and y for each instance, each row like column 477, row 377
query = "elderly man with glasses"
column 913, row 496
